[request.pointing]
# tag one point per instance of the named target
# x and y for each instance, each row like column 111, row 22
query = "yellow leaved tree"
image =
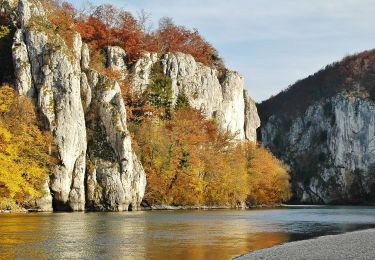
column 268, row 177
column 25, row 151
column 190, row 161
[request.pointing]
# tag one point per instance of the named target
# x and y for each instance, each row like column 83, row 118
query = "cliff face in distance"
column 85, row 111
column 324, row 128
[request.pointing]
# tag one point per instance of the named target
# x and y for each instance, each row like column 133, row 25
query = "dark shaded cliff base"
column 353, row 245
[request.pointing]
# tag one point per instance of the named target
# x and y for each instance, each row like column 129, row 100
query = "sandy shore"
column 353, row 245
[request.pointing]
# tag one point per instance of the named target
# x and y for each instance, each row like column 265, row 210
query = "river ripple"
column 193, row 234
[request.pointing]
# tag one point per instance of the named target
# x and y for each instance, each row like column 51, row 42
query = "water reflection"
column 201, row 236
column 21, row 236
column 168, row 235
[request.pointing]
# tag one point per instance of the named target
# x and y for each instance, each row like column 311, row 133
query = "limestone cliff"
column 330, row 142
column 84, row 111
column 86, row 114
column 222, row 98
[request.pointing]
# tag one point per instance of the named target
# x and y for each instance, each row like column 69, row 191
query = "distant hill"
column 323, row 128
column 355, row 73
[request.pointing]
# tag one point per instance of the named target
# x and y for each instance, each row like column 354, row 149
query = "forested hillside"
column 355, row 73
column 323, row 128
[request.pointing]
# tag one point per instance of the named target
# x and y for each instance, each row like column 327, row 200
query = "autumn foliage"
column 25, row 151
column 187, row 158
column 189, row 161
column 172, row 38
column 105, row 25
column 269, row 177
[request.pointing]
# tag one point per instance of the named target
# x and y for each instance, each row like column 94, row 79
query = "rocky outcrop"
column 330, row 149
column 23, row 81
column 115, row 177
column 48, row 71
column 85, row 112
column 252, row 120
column 43, row 204
column 67, row 94
column 222, row 99
column 116, row 60
column 141, row 72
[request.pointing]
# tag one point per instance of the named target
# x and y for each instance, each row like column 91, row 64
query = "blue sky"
column 273, row 43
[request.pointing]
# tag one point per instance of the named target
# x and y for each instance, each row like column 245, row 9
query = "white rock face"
column 233, row 106
column 200, row 84
column 116, row 60
column 252, row 120
column 116, row 180
column 85, row 57
column 44, row 204
column 57, row 76
column 23, row 82
column 47, row 71
column 333, row 146
column 142, row 71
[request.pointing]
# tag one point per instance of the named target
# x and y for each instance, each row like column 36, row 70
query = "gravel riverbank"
column 352, row 245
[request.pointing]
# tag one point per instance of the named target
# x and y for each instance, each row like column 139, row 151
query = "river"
column 182, row 234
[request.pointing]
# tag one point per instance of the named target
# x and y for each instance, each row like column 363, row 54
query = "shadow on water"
column 218, row 234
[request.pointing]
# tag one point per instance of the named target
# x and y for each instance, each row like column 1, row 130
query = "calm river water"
column 214, row 234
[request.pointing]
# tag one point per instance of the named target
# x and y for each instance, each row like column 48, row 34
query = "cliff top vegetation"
column 107, row 25
column 354, row 73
